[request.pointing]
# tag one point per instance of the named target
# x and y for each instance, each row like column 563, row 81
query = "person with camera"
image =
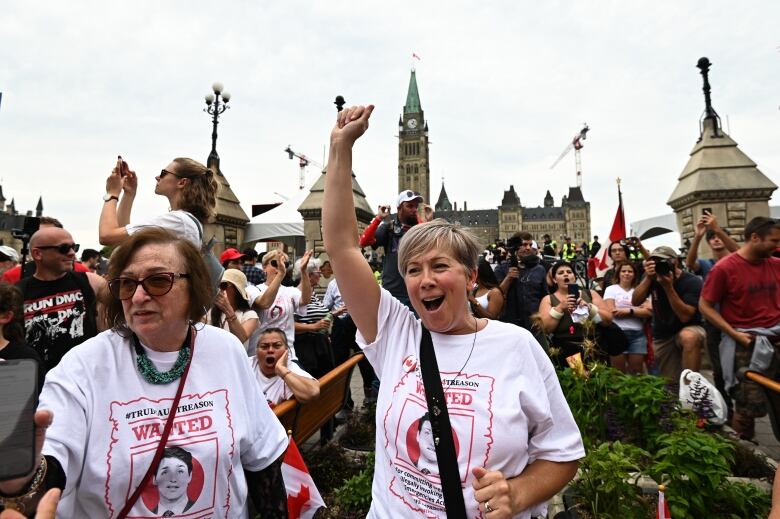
column 742, row 299
column 387, row 235
column 628, row 249
column 522, row 280
column 678, row 336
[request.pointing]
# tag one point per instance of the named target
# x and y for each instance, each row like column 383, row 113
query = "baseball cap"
column 238, row 279
column 663, row 252
column 229, row 255
column 9, row 253
column 407, row 196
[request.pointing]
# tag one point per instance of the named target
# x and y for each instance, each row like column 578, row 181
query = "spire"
column 39, row 207
column 444, row 202
column 710, row 115
column 2, row 198
column 548, row 200
column 412, row 96
column 11, row 207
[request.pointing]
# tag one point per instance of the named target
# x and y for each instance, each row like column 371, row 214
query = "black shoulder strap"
column 82, row 281
column 442, row 431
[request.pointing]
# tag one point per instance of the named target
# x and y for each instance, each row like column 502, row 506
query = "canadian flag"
column 617, row 233
column 663, row 507
column 303, row 498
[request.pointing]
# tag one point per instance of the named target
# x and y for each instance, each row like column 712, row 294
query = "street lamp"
column 216, row 104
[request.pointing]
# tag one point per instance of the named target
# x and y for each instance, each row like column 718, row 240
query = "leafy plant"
column 355, row 494
column 607, row 482
column 739, row 499
column 694, row 465
column 330, row 466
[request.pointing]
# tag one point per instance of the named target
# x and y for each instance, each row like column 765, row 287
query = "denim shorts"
column 637, row 342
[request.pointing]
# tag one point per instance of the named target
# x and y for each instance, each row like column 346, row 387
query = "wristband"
column 555, row 314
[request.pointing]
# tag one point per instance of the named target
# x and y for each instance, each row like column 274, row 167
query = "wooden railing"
column 306, row 419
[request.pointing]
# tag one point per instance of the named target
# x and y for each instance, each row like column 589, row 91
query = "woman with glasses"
column 155, row 380
column 231, row 310
column 189, row 186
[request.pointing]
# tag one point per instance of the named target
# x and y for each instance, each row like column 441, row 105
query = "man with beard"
column 278, row 378
column 522, row 279
column 745, row 286
column 388, row 235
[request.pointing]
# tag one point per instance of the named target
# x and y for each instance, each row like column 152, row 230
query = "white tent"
column 280, row 222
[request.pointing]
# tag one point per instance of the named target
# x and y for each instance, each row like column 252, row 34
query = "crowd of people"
column 159, row 365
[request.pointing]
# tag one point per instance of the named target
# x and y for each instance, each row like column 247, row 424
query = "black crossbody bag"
column 442, row 431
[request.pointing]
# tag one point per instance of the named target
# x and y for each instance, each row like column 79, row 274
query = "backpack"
column 214, row 267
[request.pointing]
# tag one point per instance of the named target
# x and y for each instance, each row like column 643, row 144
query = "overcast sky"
column 504, row 86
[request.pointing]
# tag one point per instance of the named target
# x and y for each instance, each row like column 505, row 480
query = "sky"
column 505, row 85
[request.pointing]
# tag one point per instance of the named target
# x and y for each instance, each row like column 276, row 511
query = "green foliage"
column 355, row 494
column 330, row 466
column 738, row 500
column 607, row 484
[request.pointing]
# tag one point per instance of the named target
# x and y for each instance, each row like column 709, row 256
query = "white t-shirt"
column 274, row 388
column 505, row 414
column 179, row 222
column 622, row 299
column 281, row 313
column 108, row 421
column 243, row 316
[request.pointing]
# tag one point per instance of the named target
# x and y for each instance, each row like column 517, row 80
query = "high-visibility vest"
column 568, row 251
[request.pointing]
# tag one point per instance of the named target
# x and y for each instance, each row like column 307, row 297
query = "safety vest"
column 568, row 251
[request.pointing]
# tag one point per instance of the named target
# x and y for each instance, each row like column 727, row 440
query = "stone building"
column 571, row 218
column 10, row 219
column 718, row 177
column 229, row 220
column 414, row 170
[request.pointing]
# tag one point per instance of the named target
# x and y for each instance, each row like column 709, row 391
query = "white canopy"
column 280, row 222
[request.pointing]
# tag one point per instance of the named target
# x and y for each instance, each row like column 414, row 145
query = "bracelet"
column 232, row 318
column 555, row 314
column 288, row 372
column 18, row 503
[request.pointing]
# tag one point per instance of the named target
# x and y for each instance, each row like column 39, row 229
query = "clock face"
column 412, row 123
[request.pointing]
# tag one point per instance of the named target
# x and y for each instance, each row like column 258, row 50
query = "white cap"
column 534, row 245
column 407, row 196
column 10, row 253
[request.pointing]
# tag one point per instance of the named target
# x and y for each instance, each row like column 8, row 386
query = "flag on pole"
column 617, row 233
column 663, row 507
column 415, row 56
column 303, row 498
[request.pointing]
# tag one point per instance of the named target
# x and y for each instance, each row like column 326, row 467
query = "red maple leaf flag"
column 617, row 233
column 663, row 506
column 303, row 498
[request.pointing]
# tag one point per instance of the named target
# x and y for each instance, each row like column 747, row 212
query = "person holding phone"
column 562, row 313
column 189, row 186
column 277, row 304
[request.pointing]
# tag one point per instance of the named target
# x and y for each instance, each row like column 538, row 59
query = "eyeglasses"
column 166, row 172
column 155, row 285
column 265, row 346
column 63, row 248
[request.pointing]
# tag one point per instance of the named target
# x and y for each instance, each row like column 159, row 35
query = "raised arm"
column 693, row 251
column 111, row 230
column 339, row 226
column 305, row 284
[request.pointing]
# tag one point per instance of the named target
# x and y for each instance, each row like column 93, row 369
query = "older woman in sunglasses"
column 155, row 380
column 189, row 186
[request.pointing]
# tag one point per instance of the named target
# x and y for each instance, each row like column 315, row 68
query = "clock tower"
column 414, row 171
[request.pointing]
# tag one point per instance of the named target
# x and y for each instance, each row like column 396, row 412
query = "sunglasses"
column 154, row 285
column 63, row 248
column 166, row 172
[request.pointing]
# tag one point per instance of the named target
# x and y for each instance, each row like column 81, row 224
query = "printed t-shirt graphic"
column 137, row 426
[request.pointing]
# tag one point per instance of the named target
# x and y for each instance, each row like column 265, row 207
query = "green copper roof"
column 412, row 97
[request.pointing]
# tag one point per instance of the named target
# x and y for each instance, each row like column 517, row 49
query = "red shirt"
column 748, row 293
column 13, row 275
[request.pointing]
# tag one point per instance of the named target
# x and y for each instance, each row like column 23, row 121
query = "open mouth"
column 566, row 280
column 432, row 303
column 270, row 360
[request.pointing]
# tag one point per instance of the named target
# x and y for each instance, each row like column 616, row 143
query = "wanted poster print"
column 411, row 447
column 196, row 463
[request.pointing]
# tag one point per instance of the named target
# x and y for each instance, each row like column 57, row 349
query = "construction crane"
column 577, row 144
column 304, row 161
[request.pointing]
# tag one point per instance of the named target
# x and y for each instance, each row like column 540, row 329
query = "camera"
column 663, row 267
column 25, row 226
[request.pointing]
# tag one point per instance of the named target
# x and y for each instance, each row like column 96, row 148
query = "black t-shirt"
column 389, row 237
column 665, row 322
column 58, row 315
column 19, row 350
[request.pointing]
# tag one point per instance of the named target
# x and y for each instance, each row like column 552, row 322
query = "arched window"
column 416, row 169
column 408, row 169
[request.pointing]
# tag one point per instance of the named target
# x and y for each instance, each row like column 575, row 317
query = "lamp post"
column 216, row 104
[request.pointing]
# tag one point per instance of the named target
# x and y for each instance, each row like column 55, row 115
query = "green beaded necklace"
column 149, row 372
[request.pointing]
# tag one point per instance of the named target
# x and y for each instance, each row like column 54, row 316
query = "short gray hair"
column 439, row 234
column 314, row 264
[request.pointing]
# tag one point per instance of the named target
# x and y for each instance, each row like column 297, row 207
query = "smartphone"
column 123, row 168
column 19, row 387
column 707, row 210
column 574, row 290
